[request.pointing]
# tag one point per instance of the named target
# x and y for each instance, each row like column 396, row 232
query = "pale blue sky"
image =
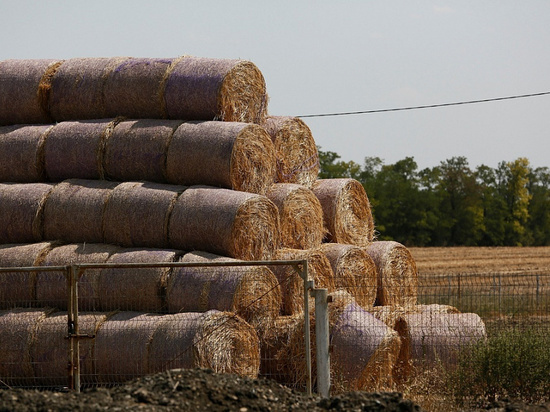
column 334, row 56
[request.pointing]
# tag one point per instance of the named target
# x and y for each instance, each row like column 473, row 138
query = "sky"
column 340, row 56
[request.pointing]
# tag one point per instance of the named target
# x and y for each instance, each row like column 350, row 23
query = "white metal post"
column 322, row 342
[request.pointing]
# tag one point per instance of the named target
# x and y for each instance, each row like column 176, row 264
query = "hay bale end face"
column 22, row 153
column 215, row 89
column 300, row 216
column 225, row 222
column 346, row 209
column 21, row 211
column 295, row 150
column 397, row 273
column 232, row 155
column 74, row 210
column 20, row 82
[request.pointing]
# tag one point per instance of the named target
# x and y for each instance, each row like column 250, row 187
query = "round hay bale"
column 18, row 288
column 354, row 270
column 135, row 288
column 436, row 308
column 295, row 150
column 236, row 155
column 122, row 346
column 225, row 222
column 135, row 88
column 74, row 210
column 137, row 214
column 21, row 211
column 24, row 88
column 300, row 215
column 432, row 338
column 215, row 89
column 292, row 285
column 346, row 210
column 252, row 292
column 397, row 273
column 75, row 149
column 77, row 88
column 51, row 286
column 220, row 341
column 49, row 348
column 17, row 332
column 136, row 150
column 22, row 153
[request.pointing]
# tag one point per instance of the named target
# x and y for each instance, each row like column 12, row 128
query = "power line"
column 429, row 106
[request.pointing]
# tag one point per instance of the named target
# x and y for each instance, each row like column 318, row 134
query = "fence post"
column 322, row 341
column 308, row 285
column 72, row 319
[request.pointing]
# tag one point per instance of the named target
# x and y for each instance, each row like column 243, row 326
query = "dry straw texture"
column 75, row 149
column 135, row 288
column 22, row 153
column 136, row 150
column 215, row 89
column 18, row 288
column 354, row 270
column 220, row 341
column 300, row 215
column 19, row 84
column 390, row 315
column 235, row 155
column 397, row 273
column 74, row 210
column 292, row 285
column 137, row 214
column 17, row 333
column 51, row 286
column 225, row 222
column 77, row 88
column 21, row 211
column 295, row 150
column 346, row 209
column 135, row 88
column 252, row 292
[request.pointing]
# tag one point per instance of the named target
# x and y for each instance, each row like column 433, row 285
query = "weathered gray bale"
column 22, row 153
column 24, row 88
column 137, row 150
column 21, row 211
column 74, row 210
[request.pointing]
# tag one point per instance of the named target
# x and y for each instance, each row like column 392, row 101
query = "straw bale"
column 49, row 348
column 51, row 286
column 74, row 210
column 21, row 211
column 220, row 341
column 300, row 215
column 346, row 209
column 122, row 346
column 22, row 153
column 17, row 332
column 135, row 88
column 292, row 285
column 397, row 273
column 18, row 288
column 77, row 88
column 436, row 308
column 225, row 222
column 295, row 150
column 252, row 292
column 136, row 150
column 354, row 270
column 432, row 338
column 75, row 149
column 215, row 89
column 236, row 155
column 135, row 288
column 137, row 214
column 20, row 81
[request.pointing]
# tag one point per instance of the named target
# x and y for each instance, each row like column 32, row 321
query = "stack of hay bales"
column 125, row 160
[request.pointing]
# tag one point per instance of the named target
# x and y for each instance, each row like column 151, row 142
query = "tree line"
column 452, row 204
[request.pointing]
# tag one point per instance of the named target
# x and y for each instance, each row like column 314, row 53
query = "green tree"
column 332, row 168
column 538, row 224
column 494, row 207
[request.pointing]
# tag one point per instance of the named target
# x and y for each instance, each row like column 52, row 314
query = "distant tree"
column 538, row 224
column 514, row 188
column 494, row 207
column 332, row 168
